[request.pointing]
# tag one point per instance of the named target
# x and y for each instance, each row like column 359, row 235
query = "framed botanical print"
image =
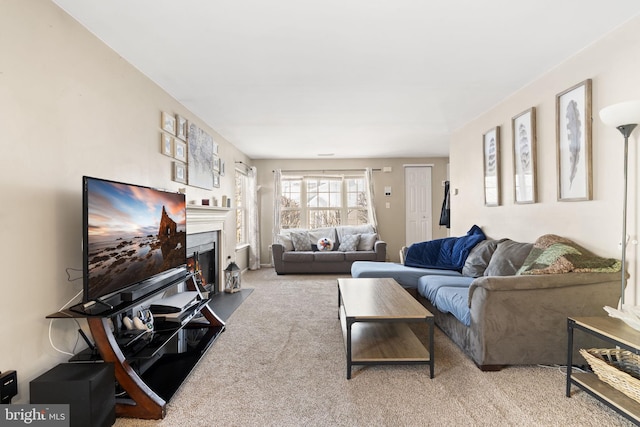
column 166, row 144
column 524, row 156
column 180, row 152
column 168, row 123
column 181, row 127
column 573, row 142
column 491, row 148
column 216, row 180
column 180, row 172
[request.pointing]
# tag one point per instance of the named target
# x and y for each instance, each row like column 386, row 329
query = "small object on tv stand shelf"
column 94, row 307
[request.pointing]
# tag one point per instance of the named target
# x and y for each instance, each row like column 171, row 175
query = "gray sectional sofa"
column 296, row 251
column 509, row 303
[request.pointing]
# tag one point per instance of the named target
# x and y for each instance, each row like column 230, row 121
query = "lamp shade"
column 624, row 113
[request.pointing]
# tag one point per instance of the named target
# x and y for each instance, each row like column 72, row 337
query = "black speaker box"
column 88, row 388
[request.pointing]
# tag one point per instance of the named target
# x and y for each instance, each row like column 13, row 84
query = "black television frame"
column 95, row 304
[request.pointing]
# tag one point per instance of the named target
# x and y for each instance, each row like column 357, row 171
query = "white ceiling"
column 356, row 78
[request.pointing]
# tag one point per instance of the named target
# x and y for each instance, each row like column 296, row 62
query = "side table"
column 619, row 334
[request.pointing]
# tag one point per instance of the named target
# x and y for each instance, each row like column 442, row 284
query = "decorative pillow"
column 508, row 258
column 344, row 230
column 301, row 240
column 479, row 257
column 349, row 243
column 319, row 233
column 325, row 244
column 367, row 241
column 285, row 240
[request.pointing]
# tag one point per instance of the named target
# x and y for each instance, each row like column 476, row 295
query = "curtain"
column 253, row 224
column 277, row 196
column 368, row 175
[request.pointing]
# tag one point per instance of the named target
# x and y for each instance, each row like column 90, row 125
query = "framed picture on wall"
column 166, row 144
column 216, row 180
column 491, row 148
column 524, row 156
column 181, row 127
column 216, row 164
column 200, row 157
column 180, row 172
column 573, row 142
column 180, row 151
column 168, row 123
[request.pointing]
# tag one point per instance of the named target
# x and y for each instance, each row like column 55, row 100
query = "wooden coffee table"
column 374, row 314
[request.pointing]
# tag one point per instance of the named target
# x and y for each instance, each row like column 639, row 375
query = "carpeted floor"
column 281, row 362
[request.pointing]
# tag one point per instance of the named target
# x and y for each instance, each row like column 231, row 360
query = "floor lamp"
column 625, row 116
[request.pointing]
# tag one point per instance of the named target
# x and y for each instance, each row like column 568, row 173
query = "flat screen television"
column 132, row 235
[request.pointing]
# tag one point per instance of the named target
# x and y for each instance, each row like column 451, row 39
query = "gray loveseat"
column 296, row 250
column 506, row 306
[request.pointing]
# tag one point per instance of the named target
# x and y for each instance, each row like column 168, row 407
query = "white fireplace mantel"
column 201, row 219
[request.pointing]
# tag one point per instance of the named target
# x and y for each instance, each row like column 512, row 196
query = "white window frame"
column 306, row 211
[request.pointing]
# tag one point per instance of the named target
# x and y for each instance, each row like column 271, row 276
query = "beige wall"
column 390, row 220
column 70, row 107
column 614, row 65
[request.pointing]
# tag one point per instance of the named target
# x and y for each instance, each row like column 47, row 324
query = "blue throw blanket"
column 449, row 253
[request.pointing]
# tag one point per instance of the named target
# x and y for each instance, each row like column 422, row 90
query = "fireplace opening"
column 201, row 247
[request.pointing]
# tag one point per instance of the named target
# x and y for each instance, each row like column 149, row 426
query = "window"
column 323, row 201
column 357, row 211
column 290, row 207
column 241, row 208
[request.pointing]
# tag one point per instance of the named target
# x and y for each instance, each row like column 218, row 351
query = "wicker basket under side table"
column 618, row 368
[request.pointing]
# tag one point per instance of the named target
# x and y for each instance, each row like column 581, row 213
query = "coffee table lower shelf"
column 382, row 343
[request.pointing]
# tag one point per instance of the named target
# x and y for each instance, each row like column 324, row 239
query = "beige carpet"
column 281, row 362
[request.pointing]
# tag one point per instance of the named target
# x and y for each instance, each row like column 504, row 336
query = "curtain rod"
column 245, row 166
column 326, row 170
